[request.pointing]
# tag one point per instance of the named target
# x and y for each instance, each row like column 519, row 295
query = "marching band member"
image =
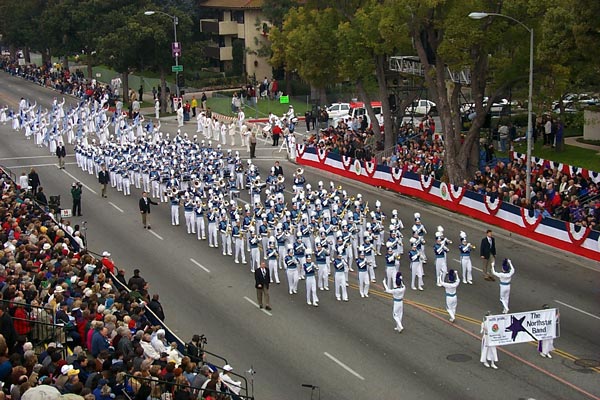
column 390, row 265
column 419, row 229
column 370, row 257
column 199, row 218
column 450, row 288
column 255, row 251
column 398, row 295
column 341, row 267
column 416, row 266
column 311, row 285
column 281, row 239
column 174, row 199
column 440, row 251
column 321, row 260
column 300, row 252
column 545, row 346
column 238, row 237
column 272, row 256
column 505, row 278
column 465, row 258
column 225, row 231
column 212, row 217
column 299, row 180
column 363, row 273
column 188, row 214
column 488, row 352
column 291, row 265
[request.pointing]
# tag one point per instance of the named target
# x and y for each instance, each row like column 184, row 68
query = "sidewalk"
column 572, row 141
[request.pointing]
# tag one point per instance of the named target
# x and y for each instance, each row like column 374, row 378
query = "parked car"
column 421, row 107
column 337, row 110
column 357, row 109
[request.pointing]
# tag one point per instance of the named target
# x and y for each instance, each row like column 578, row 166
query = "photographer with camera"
column 195, row 349
column 76, row 194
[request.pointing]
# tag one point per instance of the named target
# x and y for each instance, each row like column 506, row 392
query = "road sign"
column 177, row 68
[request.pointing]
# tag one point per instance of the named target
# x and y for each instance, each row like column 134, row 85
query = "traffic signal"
column 180, row 80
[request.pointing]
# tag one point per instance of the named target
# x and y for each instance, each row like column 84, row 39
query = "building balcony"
column 219, row 53
column 221, row 28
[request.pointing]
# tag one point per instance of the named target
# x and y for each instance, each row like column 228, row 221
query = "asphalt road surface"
column 349, row 350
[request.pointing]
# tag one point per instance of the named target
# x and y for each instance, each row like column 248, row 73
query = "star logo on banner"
column 516, row 326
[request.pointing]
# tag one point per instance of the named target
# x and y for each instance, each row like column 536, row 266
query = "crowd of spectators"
column 56, row 77
column 68, row 324
column 571, row 198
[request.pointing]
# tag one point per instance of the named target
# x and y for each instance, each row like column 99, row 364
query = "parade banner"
column 564, row 168
column 522, row 327
column 492, row 210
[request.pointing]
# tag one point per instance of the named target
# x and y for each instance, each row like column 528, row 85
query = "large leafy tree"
column 307, row 44
column 369, row 35
column 445, row 38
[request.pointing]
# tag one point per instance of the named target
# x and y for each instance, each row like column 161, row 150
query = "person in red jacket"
column 107, row 262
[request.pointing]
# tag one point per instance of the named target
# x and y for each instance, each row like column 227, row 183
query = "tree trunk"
column 461, row 158
column 366, row 99
column 27, row 55
column 288, row 81
column 89, row 65
column 125, row 82
column 45, row 56
column 163, row 91
column 390, row 133
column 66, row 62
column 318, row 94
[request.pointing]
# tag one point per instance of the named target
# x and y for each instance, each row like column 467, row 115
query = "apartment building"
column 238, row 32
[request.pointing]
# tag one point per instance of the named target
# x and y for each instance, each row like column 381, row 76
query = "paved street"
column 349, row 350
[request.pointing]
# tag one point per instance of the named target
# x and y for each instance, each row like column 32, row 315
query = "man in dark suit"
column 278, row 169
column 104, row 179
column 61, row 153
column 262, row 278
column 145, row 208
column 488, row 254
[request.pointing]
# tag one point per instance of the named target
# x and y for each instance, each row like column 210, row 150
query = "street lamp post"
column 481, row 15
column 175, row 22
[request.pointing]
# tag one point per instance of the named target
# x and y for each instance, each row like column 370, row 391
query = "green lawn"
column 571, row 155
column 222, row 105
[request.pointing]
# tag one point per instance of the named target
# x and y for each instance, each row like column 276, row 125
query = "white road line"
column 155, row 234
column 28, row 157
column 341, row 364
column 242, row 200
column 256, row 305
column 577, row 309
column 474, row 267
column 77, row 180
column 200, row 265
column 115, row 206
column 38, row 165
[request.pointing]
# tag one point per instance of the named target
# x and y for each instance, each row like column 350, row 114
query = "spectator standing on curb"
column 104, row 179
column 156, row 307
column 194, row 105
column 203, row 100
column 24, row 182
column 34, row 181
column 262, row 279
column 40, row 197
column 145, row 208
column 61, row 153
column 76, row 194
